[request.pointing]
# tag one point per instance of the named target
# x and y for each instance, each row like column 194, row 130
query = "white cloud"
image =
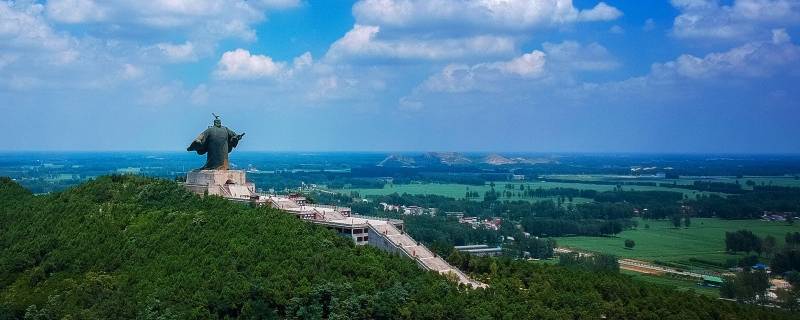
column 178, row 52
column 708, row 19
column 240, row 64
column 556, row 63
column 780, row 36
column 601, row 12
column 527, row 65
column 573, row 56
column 303, row 61
column 209, row 20
column 482, row 14
column 616, row 29
column 463, row 30
column 22, row 27
column 279, row 4
column 130, row 72
column 324, row 87
column 75, row 11
column 455, row 78
column 364, row 42
column 753, row 59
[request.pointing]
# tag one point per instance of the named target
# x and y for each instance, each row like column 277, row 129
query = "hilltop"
column 135, row 247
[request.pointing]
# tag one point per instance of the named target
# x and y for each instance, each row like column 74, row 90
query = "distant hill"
column 447, row 158
column 396, row 160
column 432, row 159
column 125, row 247
column 497, row 160
column 426, row 159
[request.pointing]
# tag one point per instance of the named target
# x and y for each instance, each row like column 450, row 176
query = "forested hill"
column 134, row 247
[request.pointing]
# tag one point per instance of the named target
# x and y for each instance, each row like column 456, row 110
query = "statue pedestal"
column 230, row 184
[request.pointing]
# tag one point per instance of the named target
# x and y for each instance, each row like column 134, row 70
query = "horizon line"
column 716, row 153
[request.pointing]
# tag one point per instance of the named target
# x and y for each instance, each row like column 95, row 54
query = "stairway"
column 420, row 253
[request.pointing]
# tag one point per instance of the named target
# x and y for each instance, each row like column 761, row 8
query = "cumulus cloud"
column 679, row 81
column 527, row 65
column 125, row 35
column 75, row 11
column 574, row 56
column 491, row 14
column 240, row 64
column 208, row 20
column 741, row 20
column 455, row 78
column 454, row 29
column 556, row 63
column 178, row 52
column 22, row 27
column 753, row 59
column 601, row 12
column 363, row 42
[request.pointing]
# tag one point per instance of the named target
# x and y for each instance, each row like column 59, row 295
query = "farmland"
column 459, row 190
column 703, row 240
column 784, row 181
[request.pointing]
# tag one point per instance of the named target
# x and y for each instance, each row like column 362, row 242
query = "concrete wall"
column 379, row 241
column 215, row 177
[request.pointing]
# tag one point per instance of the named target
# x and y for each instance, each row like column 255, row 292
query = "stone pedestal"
column 230, row 184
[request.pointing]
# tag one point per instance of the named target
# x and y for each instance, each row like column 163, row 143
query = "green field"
column 785, row 181
column 679, row 284
column 704, row 239
column 459, row 190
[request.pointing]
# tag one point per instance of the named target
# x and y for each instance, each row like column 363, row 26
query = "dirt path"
column 639, row 266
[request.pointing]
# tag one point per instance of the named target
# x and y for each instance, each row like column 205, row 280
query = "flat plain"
column 703, row 240
column 458, row 191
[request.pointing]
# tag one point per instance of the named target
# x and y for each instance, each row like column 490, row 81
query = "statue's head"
column 217, row 122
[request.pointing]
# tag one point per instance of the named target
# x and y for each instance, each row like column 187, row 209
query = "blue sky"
column 403, row 75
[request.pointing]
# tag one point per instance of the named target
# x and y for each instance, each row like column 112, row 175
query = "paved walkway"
column 420, row 253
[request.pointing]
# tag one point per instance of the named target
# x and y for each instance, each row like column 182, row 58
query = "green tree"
column 676, row 221
column 629, row 243
column 768, row 245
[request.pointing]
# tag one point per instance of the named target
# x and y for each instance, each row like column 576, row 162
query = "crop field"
column 459, row 190
column 703, row 240
column 785, row 181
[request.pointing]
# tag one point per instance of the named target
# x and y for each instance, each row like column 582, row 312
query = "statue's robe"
column 217, row 142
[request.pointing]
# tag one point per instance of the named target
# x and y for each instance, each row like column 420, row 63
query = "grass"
column 680, row 284
column 785, row 181
column 704, row 239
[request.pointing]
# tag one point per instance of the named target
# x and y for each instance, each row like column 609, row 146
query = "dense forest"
column 134, row 247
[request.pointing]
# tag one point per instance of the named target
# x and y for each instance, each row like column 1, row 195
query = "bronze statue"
column 217, row 141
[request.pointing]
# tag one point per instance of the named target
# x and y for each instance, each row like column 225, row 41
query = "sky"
column 649, row 76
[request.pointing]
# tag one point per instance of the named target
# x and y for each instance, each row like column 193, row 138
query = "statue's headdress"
column 217, row 121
